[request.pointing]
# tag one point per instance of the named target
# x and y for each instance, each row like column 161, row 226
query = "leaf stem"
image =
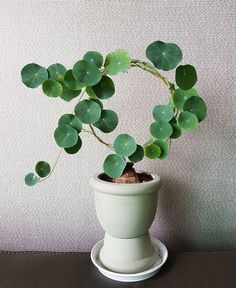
column 99, row 138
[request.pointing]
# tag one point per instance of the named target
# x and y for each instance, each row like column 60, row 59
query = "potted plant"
column 125, row 199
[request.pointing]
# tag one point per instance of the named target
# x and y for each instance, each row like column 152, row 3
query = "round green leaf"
column 87, row 72
column 57, row 72
column 187, row 121
column 42, row 168
column 33, row 75
column 161, row 130
column 88, row 111
column 152, row 151
column 104, row 89
column 164, row 148
column 31, row 179
column 180, row 96
column 52, row 88
column 163, row 113
column 72, row 120
column 176, row 131
column 197, row 106
column 76, row 148
column 164, row 56
column 117, row 62
column 71, row 82
column 69, row 94
column 66, row 136
column 94, row 57
column 138, row 155
column 107, row 122
column 185, row 76
column 114, row 165
column 98, row 102
column 124, row 145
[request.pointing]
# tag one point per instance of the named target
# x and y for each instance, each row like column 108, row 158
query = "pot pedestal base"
column 160, row 252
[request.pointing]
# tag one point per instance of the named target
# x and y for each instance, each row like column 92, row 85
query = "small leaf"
column 88, row 111
column 66, row 136
column 114, row 165
column 176, row 131
column 164, row 148
column 161, row 130
column 107, row 122
column 72, row 120
column 104, row 89
column 187, row 121
column 71, row 82
column 52, row 88
column 185, row 76
column 180, row 96
column 152, row 151
column 87, row 73
column 42, row 168
column 138, row 155
column 163, row 113
column 57, row 72
column 117, row 62
column 94, row 57
column 164, row 56
column 31, row 179
column 124, row 145
column 33, row 75
column 76, row 148
column 197, row 106
column 69, row 94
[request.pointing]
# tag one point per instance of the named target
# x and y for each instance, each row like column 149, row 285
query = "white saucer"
column 157, row 245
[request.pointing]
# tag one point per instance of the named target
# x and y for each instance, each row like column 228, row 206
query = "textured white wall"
column 197, row 204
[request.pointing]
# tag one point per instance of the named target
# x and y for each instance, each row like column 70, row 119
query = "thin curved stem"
column 99, row 138
column 57, row 159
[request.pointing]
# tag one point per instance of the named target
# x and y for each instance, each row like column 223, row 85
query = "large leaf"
column 88, row 111
column 33, row 75
column 104, row 89
column 94, row 57
column 161, row 130
column 124, row 145
column 107, row 122
column 164, row 56
column 114, row 165
column 86, row 72
column 66, row 136
column 117, row 62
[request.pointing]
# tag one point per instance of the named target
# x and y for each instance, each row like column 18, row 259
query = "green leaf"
column 117, row 62
column 52, row 88
column 57, row 72
column 163, row 113
column 98, row 102
column 124, row 145
column 42, row 168
column 114, row 165
column 71, row 82
column 187, row 121
column 69, row 94
column 71, row 120
column 31, row 179
column 94, row 57
column 176, row 131
column 164, row 56
column 88, row 111
column 180, row 96
column 86, row 72
column 107, row 122
column 197, row 106
column 33, row 75
column 90, row 92
column 104, row 89
column 138, row 155
column 66, row 136
column 76, row 148
column 152, row 151
column 185, row 76
column 161, row 130
column 164, row 148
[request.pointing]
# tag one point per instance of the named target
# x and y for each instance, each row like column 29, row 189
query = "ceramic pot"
column 126, row 212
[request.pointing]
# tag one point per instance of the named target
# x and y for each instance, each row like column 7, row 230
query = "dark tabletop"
column 70, row 270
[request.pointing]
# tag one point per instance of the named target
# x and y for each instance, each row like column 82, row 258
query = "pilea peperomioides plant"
column 90, row 78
